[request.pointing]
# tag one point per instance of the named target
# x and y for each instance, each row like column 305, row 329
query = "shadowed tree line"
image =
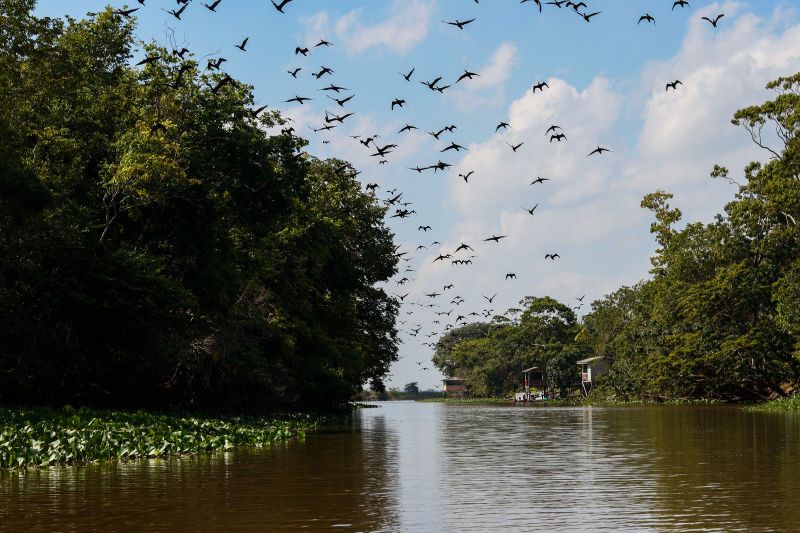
column 720, row 316
column 159, row 247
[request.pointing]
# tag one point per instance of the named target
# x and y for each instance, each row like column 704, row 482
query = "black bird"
column 648, row 18
column 539, row 180
column 464, row 247
column 149, row 59
column 587, row 16
column 435, row 135
column 408, row 76
column 280, row 6
column 126, row 12
column 431, row 84
column 559, row 137
column 214, row 64
column 681, row 3
column 295, row 71
column 243, row 44
column 459, row 23
column 397, row 102
column 177, row 14
column 503, row 125
column 226, row 80
column 516, row 147
column 298, row 99
column 490, row 299
column 423, row 228
column 467, row 75
column 551, row 256
column 371, row 186
column 511, row 276
column 453, row 146
column 581, row 298
column 674, row 85
column 598, row 151
column 715, row 20
column 334, row 88
column 322, row 72
column 255, row 112
column 467, row 175
column 180, row 53
column 495, row 238
column 323, row 42
column 213, row 6
column 541, row 85
column 299, row 50
column 343, row 101
column 407, row 127
column 531, row 210
column 552, row 128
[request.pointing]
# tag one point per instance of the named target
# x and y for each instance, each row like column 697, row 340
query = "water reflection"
column 434, row 467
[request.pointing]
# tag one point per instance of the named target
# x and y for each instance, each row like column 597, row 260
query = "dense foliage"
column 44, row 437
column 491, row 356
column 160, row 247
column 719, row 319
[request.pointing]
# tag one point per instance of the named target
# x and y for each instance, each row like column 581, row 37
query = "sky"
column 606, row 87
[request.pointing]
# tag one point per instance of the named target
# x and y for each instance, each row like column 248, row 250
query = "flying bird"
column 598, row 151
column 408, row 76
column 646, row 17
column 243, row 44
column 682, row 3
column 495, row 238
column 540, row 86
column 715, row 20
column 531, row 210
column 467, row 75
column 551, row 256
column 459, row 23
column 398, row 102
column 280, row 6
column 539, row 180
column 515, row 147
column 674, row 85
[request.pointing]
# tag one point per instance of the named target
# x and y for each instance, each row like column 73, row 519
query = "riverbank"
column 779, row 406
column 42, row 437
column 572, row 402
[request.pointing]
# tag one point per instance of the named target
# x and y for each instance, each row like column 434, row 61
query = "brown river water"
column 434, row 467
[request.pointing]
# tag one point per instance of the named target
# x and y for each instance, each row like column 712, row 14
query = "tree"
column 411, row 388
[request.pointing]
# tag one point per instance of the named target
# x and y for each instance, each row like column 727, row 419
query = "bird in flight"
column 213, row 6
column 467, row 75
column 515, row 147
column 298, row 99
column 551, row 256
column 280, row 6
column 398, row 102
column 674, row 85
column 423, row 228
column 648, row 18
column 495, row 238
column 126, row 12
column 408, row 76
column 295, row 71
column 552, row 128
column 540, row 86
column 467, row 175
column 531, row 210
column 299, row 50
column 714, row 20
column 598, row 151
column 459, row 23
column 243, row 44
column 587, row 16
column 558, row 137
column 682, row 3
column 490, row 299
column 539, row 180
column 511, row 275
column 177, row 14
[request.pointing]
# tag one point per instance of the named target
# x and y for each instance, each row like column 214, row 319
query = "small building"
column 591, row 368
column 455, row 386
column 534, row 377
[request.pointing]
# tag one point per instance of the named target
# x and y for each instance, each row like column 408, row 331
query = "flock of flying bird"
column 397, row 207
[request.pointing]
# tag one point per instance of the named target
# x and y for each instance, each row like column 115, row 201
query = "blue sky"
column 606, row 87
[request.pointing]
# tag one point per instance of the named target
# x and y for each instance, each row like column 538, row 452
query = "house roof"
column 589, row 360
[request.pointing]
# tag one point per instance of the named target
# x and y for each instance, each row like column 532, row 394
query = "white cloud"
column 405, row 26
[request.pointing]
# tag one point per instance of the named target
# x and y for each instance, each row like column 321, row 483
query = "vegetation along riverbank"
column 41, row 437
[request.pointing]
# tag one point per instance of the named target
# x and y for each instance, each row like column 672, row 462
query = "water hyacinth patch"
column 42, row 437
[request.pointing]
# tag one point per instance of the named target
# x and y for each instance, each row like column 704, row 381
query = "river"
column 409, row 466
